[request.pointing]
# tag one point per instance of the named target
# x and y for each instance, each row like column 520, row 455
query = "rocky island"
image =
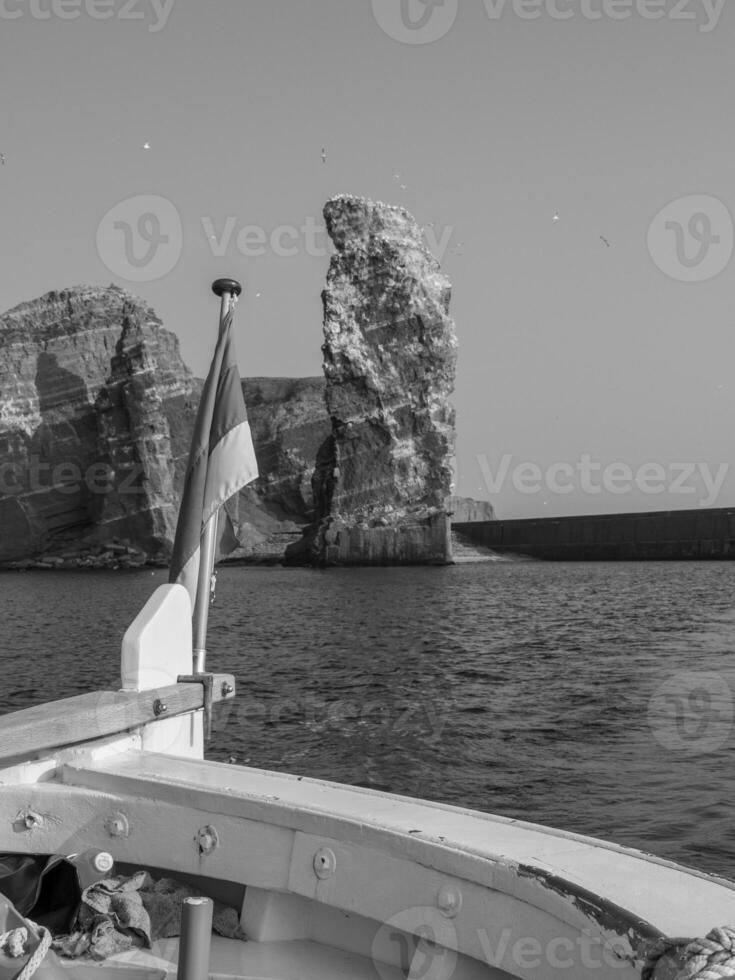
column 383, row 479
column 97, row 409
column 96, row 414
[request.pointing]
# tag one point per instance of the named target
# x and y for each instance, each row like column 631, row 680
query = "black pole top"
column 231, row 286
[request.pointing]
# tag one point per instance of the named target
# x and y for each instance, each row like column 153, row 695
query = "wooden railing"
column 87, row 717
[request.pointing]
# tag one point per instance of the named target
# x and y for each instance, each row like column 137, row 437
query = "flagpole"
column 225, row 289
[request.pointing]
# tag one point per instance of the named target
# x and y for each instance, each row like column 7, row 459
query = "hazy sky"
column 608, row 368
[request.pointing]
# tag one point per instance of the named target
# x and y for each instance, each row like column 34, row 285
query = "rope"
column 14, row 942
column 711, row 958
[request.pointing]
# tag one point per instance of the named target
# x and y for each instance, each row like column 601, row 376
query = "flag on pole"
column 221, row 460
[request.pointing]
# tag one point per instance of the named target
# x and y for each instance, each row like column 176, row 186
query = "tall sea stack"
column 383, row 478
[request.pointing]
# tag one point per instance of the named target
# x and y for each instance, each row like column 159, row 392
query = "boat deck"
column 232, row 959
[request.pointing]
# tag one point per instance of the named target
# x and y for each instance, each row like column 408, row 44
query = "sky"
column 573, row 161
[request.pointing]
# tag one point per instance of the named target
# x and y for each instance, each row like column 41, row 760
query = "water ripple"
column 522, row 689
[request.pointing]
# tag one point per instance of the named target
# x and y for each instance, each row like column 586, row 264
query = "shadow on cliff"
column 62, row 448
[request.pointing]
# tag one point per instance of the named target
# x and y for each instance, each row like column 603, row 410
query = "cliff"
column 93, row 401
column 289, row 422
column 96, row 414
column 382, row 479
column 466, row 510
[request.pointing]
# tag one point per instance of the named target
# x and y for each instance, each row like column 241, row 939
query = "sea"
column 597, row 698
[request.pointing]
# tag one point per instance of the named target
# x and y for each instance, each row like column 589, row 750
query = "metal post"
column 196, row 939
column 207, row 555
column 226, row 289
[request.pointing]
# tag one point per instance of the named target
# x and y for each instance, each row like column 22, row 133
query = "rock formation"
column 96, row 414
column 466, row 510
column 97, row 409
column 79, row 418
column 289, row 422
column 383, row 477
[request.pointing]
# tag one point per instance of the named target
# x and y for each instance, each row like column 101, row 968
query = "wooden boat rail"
column 87, row 717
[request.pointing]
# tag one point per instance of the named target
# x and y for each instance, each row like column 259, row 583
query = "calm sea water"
column 592, row 697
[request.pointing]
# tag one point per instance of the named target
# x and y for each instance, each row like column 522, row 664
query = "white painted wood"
column 405, row 896
column 183, row 736
column 160, row 834
column 233, row 960
column 156, row 650
column 464, row 843
column 268, row 916
column 156, row 647
column 37, row 770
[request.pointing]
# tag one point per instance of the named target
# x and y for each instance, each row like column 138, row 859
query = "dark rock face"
column 289, row 423
column 145, row 413
column 89, row 381
column 97, row 410
column 96, row 416
column 382, row 481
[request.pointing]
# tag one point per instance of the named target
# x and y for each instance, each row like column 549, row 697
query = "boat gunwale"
column 520, row 876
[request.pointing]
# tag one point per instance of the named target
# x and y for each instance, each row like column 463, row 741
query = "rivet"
column 117, row 825
column 227, row 689
column 325, row 863
column 449, row 900
column 159, row 707
column 31, row 819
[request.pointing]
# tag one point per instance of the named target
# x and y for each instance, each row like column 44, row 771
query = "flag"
column 221, row 460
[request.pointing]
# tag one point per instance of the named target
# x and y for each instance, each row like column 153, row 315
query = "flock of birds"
column 455, row 250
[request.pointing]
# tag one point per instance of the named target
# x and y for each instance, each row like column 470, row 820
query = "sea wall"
column 683, row 535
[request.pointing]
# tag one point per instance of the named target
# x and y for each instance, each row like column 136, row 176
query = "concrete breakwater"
column 683, row 535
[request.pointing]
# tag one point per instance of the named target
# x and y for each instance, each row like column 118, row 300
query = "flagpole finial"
column 231, row 286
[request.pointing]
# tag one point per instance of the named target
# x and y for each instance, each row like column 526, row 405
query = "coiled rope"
column 711, row 958
column 14, row 943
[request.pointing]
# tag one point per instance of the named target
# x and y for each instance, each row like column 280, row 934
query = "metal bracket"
column 216, row 687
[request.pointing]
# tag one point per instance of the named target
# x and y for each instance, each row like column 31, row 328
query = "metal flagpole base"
column 196, row 939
